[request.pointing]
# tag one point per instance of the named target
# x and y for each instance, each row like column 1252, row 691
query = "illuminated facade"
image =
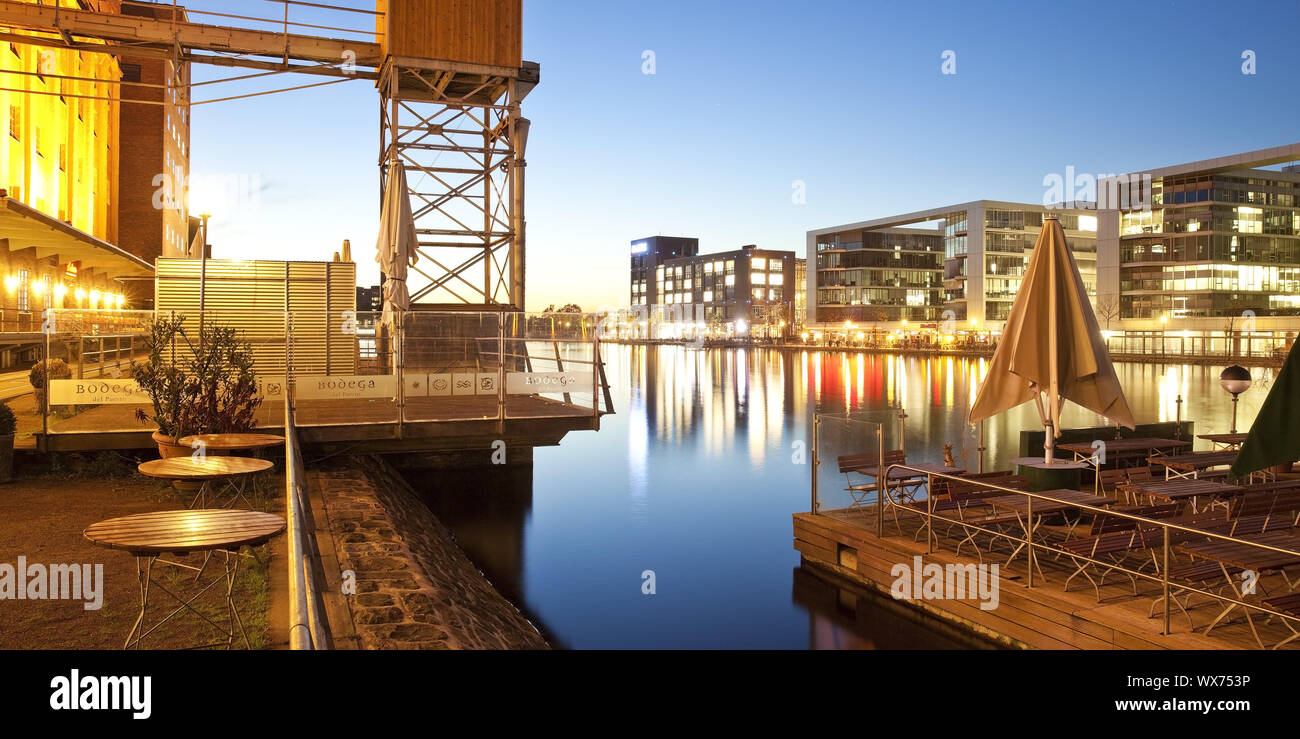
column 960, row 263
column 1218, row 239
column 79, row 222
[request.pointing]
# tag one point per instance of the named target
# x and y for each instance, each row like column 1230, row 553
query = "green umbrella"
column 1272, row 440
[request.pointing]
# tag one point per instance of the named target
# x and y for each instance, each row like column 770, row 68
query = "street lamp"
column 1235, row 380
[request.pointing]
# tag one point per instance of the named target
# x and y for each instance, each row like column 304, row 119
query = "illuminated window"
column 708, row 296
column 776, row 278
column 758, row 278
column 731, row 280
column 23, row 290
column 759, row 263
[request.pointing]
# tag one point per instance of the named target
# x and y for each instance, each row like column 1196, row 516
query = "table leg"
column 232, row 613
column 143, row 574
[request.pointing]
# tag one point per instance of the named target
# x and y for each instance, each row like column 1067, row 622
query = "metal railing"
column 516, row 355
column 308, row 627
column 1141, row 521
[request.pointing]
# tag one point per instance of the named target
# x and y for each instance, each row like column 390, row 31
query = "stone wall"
column 415, row 588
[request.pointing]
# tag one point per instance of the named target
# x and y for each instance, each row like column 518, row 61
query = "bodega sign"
column 344, row 387
column 529, row 383
column 96, row 392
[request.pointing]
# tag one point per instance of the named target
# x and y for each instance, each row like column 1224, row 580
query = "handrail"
column 308, row 627
column 1027, row 540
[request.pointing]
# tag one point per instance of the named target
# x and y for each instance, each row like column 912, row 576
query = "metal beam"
column 143, row 33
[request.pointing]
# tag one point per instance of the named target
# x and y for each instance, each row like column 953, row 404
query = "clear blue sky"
column 750, row 96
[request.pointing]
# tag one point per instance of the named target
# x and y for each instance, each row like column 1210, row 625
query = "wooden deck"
column 1044, row 617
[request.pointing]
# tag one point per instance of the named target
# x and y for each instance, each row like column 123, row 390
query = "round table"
column 216, row 443
column 205, row 470
column 147, row 536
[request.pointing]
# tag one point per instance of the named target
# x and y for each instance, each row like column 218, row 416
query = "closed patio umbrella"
column 395, row 248
column 1052, row 346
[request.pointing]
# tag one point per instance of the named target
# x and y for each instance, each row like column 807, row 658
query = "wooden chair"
column 867, row 467
column 1114, row 538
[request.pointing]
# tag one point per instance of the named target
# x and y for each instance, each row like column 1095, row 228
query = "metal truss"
column 460, row 137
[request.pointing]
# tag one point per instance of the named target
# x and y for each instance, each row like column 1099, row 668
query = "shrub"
column 8, row 423
column 48, row 369
column 203, row 387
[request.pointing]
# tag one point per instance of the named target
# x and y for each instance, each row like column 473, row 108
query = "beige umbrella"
column 1052, row 346
column 395, row 248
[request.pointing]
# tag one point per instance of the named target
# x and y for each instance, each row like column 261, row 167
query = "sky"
column 752, row 103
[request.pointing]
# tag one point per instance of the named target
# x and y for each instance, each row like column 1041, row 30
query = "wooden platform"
column 1044, row 617
column 363, row 426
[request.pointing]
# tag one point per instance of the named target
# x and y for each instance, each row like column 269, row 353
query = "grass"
column 42, row 516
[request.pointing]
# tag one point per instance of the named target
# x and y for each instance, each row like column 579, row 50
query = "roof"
column 27, row 227
column 931, row 214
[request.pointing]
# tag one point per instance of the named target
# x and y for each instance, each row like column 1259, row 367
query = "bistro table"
column 224, row 444
column 1118, row 450
column 1061, row 500
column 1234, row 557
column 1193, row 464
column 1223, row 441
column 204, row 470
column 1180, row 489
column 148, row 536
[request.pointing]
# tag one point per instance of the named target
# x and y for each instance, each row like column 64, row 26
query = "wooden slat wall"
column 478, row 31
column 253, row 297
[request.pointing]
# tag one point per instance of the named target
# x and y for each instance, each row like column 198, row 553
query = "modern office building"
column 647, row 255
column 958, row 263
column 748, row 291
column 1195, row 245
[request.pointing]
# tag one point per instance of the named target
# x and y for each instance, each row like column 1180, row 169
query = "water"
column 695, row 479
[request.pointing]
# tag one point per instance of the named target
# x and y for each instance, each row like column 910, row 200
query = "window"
column 22, row 290
column 759, row 263
column 758, row 278
column 708, row 296
column 758, row 293
column 776, row 278
column 130, row 72
column 731, row 280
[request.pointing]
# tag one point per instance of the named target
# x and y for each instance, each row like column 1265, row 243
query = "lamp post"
column 1235, row 380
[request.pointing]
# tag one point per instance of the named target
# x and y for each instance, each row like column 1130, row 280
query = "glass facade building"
column 1212, row 245
column 961, row 263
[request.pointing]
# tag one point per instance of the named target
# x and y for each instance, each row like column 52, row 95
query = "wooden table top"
column 207, row 468
column 1223, row 438
column 233, row 441
column 185, row 531
column 1182, row 488
column 1196, row 460
column 1127, row 445
column 1245, row 556
column 1062, row 500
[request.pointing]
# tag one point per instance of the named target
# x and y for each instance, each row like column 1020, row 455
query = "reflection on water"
column 696, row 475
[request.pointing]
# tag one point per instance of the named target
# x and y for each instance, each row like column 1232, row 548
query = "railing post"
column 1164, row 577
column 501, row 366
column 816, row 422
column 880, row 481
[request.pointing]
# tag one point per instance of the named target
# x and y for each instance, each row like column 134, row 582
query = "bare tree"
column 1108, row 309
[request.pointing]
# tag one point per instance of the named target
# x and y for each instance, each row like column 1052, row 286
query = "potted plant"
column 8, row 424
column 196, row 387
column 44, row 371
column 165, row 381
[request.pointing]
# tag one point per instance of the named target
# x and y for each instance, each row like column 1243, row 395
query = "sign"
column 99, row 391
column 346, row 387
column 530, row 383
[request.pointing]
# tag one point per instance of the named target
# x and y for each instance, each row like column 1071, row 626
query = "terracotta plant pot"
column 168, row 448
